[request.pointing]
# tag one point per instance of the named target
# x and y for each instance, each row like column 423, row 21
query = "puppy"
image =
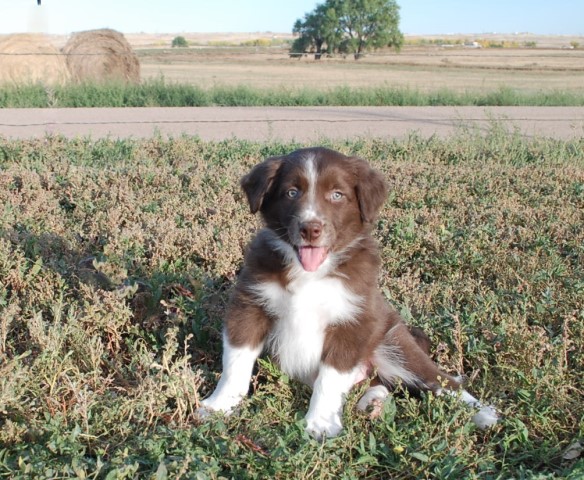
column 308, row 293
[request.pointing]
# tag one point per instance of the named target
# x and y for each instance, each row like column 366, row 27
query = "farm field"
column 228, row 70
column 117, row 258
column 425, row 68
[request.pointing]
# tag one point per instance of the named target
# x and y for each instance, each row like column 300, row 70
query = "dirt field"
column 425, row 64
column 552, row 65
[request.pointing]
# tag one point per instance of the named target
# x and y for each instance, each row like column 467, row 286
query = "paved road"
column 304, row 124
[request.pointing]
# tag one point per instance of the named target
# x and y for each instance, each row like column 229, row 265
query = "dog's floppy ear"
column 371, row 190
column 259, row 181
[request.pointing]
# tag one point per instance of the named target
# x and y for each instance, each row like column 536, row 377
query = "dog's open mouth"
column 312, row 257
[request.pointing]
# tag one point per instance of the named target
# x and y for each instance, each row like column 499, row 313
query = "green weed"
column 116, row 260
column 159, row 93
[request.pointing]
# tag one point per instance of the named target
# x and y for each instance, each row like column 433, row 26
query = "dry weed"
column 115, row 262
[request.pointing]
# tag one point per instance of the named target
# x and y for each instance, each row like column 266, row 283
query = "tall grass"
column 116, row 259
column 158, row 93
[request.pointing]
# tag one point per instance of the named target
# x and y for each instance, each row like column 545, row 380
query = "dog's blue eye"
column 336, row 196
column 292, row 193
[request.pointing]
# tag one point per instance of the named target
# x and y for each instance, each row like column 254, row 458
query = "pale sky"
column 564, row 17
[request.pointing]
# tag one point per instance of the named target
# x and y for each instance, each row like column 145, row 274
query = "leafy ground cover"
column 116, row 260
column 159, row 93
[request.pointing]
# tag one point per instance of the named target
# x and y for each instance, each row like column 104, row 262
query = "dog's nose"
column 310, row 231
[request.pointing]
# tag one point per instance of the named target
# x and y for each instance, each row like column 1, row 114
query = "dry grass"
column 419, row 67
column 424, row 68
column 275, row 72
column 115, row 262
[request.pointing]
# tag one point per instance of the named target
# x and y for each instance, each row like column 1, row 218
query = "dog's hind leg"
column 402, row 357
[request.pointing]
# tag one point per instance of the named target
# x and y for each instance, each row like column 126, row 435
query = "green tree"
column 368, row 24
column 354, row 26
column 316, row 32
column 179, row 42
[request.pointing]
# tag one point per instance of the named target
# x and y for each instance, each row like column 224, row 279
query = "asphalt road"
column 303, row 124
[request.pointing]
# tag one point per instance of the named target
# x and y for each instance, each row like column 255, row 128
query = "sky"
column 544, row 17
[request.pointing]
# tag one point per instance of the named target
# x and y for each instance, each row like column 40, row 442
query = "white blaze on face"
column 311, row 210
column 311, row 256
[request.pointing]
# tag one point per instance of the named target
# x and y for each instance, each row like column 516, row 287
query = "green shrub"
column 179, row 42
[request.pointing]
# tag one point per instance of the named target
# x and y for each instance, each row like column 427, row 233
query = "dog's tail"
column 421, row 338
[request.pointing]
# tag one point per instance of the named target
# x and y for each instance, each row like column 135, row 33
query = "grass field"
column 420, row 68
column 222, row 70
column 161, row 93
column 117, row 256
column 423, row 64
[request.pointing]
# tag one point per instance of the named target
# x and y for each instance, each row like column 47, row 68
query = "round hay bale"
column 101, row 56
column 31, row 58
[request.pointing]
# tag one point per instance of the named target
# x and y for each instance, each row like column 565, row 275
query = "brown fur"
column 347, row 226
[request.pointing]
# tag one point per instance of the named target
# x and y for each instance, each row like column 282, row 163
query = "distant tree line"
column 348, row 27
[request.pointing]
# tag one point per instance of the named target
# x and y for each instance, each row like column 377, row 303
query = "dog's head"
column 316, row 199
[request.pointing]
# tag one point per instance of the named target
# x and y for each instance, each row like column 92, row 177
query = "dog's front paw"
column 217, row 403
column 321, row 426
column 203, row 413
column 205, row 410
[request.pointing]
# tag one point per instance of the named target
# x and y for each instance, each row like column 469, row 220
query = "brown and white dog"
column 308, row 293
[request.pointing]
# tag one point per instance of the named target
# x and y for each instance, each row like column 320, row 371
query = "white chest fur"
column 302, row 312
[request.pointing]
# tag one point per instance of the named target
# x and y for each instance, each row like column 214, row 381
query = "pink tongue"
column 311, row 257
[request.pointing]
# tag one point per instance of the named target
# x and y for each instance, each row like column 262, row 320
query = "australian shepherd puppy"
column 308, row 293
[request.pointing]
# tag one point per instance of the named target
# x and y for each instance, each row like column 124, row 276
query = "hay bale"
column 101, row 56
column 31, row 58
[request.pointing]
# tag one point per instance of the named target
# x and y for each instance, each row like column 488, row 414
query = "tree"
column 317, row 32
column 179, row 42
column 347, row 26
column 368, row 24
